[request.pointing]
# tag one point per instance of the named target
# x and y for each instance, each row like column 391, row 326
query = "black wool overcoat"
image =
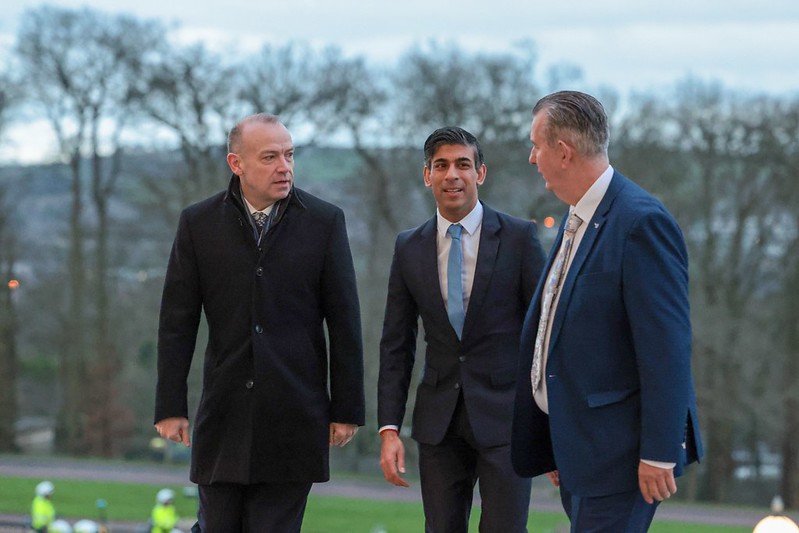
column 271, row 383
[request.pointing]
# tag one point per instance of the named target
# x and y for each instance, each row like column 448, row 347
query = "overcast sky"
column 629, row 45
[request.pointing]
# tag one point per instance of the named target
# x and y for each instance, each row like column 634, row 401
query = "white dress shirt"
column 470, row 244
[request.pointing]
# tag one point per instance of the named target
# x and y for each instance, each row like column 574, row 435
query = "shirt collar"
column 470, row 222
column 587, row 205
column 252, row 210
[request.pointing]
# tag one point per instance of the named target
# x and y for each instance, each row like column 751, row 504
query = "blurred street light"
column 776, row 523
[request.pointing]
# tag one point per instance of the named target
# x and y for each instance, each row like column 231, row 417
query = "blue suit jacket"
column 619, row 366
column 483, row 364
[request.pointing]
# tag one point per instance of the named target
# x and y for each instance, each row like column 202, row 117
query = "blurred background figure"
column 59, row 526
column 164, row 517
column 86, row 526
column 42, row 508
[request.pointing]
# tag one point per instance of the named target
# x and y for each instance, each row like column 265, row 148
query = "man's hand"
column 554, row 477
column 656, row 483
column 392, row 458
column 175, row 429
column 341, row 434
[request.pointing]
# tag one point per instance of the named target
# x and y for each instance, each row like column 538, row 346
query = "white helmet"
column 85, row 526
column 59, row 526
column 45, row 488
column 164, row 496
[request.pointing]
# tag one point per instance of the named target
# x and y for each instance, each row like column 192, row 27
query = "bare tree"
column 81, row 66
column 9, row 97
column 280, row 81
column 780, row 150
column 9, row 325
column 190, row 92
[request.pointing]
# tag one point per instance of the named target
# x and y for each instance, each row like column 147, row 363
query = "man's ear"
column 566, row 153
column 234, row 163
column 481, row 174
column 427, row 181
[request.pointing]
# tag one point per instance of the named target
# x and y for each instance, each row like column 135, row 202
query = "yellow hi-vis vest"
column 42, row 512
column 164, row 518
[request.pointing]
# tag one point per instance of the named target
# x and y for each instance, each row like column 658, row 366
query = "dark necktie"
column 260, row 219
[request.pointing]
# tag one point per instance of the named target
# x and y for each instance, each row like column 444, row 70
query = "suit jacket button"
column 259, row 271
column 462, row 358
column 259, row 328
column 457, row 386
column 249, row 384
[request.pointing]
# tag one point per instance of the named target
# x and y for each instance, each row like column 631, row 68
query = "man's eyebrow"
column 457, row 160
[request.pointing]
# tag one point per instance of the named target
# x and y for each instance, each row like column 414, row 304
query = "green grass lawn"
column 325, row 514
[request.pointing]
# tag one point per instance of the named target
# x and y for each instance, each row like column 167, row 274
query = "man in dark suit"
column 605, row 382
column 472, row 318
column 268, row 264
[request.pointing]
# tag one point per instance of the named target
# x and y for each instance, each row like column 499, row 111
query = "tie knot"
column 573, row 223
column 260, row 218
column 454, row 231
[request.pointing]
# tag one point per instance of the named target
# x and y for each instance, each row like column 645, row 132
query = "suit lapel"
column 428, row 270
column 592, row 231
column 486, row 259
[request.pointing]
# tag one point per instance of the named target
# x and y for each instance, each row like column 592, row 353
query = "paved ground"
column 544, row 499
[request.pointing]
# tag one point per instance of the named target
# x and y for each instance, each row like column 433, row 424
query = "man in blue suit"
column 469, row 272
column 605, row 402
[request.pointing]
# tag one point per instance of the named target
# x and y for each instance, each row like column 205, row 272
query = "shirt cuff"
column 389, row 426
column 659, row 464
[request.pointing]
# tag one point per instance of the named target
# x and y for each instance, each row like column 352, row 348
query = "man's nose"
column 531, row 159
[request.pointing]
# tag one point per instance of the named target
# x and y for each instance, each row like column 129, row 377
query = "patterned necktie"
column 554, row 282
column 260, row 218
column 455, row 309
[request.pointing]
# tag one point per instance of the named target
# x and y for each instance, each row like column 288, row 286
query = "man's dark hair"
column 452, row 135
column 578, row 119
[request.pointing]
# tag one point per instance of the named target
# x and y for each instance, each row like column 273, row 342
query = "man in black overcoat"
column 268, row 264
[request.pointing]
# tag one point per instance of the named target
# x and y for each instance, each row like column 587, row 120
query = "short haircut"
column 452, row 135
column 578, row 119
column 234, row 137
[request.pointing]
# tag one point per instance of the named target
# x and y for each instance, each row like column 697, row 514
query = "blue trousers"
column 626, row 512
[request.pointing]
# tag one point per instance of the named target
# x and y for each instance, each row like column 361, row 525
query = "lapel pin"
column 596, row 225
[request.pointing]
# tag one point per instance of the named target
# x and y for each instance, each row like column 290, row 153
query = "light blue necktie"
column 455, row 309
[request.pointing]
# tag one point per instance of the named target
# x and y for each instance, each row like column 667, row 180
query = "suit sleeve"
column 397, row 347
column 655, row 292
column 343, row 318
column 181, row 304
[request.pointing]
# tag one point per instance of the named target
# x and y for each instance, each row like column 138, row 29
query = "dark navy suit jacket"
column 618, row 372
column 483, row 364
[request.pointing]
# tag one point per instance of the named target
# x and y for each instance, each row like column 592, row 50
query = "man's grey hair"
column 577, row 118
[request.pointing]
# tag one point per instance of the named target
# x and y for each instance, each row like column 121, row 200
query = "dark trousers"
column 264, row 507
column 626, row 512
column 449, row 471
